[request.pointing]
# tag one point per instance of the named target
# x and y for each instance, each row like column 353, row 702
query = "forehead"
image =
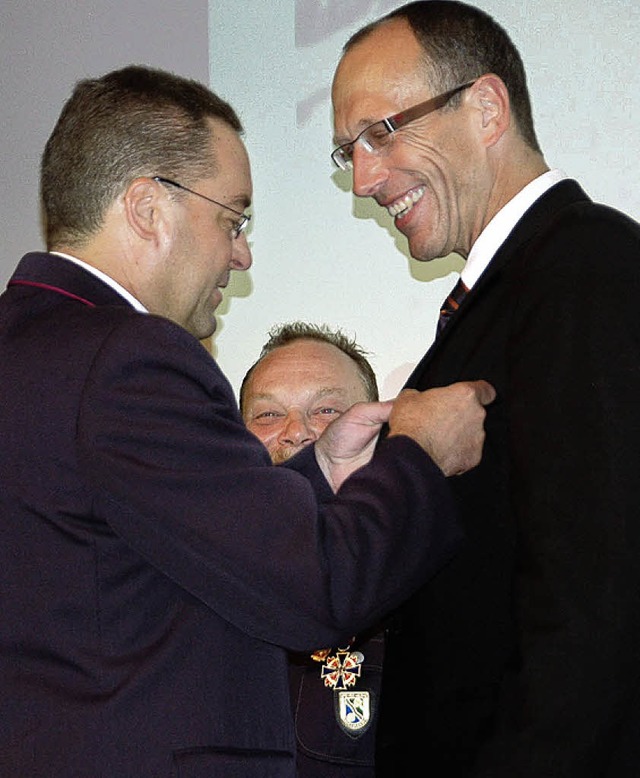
column 378, row 76
column 303, row 364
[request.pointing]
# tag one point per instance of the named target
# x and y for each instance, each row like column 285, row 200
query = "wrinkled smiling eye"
column 343, row 156
column 375, row 137
column 328, row 412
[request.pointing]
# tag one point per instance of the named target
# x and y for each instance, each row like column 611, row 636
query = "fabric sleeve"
column 181, row 480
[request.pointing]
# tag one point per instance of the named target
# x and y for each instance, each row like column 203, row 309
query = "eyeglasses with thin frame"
column 243, row 219
column 376, row 136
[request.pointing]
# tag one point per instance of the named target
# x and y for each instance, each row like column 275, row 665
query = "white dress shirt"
column 498, row 229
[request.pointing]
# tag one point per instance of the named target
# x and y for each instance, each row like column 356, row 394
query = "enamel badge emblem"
column 341, row 670
column 353, row 711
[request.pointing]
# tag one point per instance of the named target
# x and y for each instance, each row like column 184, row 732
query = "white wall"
column 312, row 259
column 274, row 61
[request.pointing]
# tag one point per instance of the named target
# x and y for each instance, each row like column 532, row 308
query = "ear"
column 146, row 207
column 491, row 98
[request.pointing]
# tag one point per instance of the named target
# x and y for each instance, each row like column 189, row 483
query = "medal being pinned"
column 342, row 669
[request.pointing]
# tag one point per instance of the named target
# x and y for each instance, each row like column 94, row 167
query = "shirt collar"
column 105, row 279
column 498, row 229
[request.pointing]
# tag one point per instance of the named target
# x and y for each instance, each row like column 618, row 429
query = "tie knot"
column 452, row 303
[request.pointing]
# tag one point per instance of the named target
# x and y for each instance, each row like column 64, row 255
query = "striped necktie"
column 451, row 304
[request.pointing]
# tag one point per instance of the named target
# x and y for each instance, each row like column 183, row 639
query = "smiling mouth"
column 403, row 205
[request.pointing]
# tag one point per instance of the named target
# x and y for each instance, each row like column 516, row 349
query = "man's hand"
column 447, row 422
column 349, row 441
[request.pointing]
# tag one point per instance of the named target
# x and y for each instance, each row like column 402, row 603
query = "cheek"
column 414, row 146
column 428, row 157
column 215, row 251
column 319, row 423
column 267, row 435
column 272, row 448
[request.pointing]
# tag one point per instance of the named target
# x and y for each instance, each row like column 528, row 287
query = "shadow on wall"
column 240, row 285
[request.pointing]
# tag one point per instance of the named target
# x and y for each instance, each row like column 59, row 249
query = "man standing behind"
column 314, row 375
column 307, row 376
column 520, row 658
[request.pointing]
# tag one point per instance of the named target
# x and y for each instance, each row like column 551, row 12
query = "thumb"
column 485, row 393
column 374, row 412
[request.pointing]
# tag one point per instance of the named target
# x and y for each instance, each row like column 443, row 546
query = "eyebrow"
column 325, row 390
column 242, row 202
column 317, row 395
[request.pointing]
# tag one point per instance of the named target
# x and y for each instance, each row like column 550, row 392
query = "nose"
column 296, row 430
column 369, row 171
column 241, row 258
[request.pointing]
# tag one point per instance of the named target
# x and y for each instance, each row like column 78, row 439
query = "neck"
column 511, row 177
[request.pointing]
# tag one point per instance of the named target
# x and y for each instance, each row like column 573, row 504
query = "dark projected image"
column 316, row 21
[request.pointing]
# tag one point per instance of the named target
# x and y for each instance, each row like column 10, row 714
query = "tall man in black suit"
column 519, row 659
column 154, row 564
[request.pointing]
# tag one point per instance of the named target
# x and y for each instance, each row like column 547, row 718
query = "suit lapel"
column 536, row 219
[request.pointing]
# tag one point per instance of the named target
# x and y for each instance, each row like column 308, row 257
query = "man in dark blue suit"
column 154, row 564
column 519, row 659
column 306, row 376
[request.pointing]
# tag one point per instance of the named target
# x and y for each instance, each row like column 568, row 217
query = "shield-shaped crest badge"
column 353, row 711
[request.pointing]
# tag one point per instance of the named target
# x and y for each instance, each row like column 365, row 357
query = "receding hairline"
column 306, row 340
column 295, row 332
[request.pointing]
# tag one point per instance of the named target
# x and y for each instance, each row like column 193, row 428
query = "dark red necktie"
column 451, row 304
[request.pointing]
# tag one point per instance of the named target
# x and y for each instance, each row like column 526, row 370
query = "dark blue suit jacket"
column 326, row 747
column 154, row 565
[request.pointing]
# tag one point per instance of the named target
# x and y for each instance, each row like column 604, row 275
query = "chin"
column 423, row 251
column 207, row 330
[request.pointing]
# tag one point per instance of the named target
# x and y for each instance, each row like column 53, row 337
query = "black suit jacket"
column 154, row 565
column 521, row 657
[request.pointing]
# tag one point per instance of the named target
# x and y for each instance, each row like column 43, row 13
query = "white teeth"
column 406, row 203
